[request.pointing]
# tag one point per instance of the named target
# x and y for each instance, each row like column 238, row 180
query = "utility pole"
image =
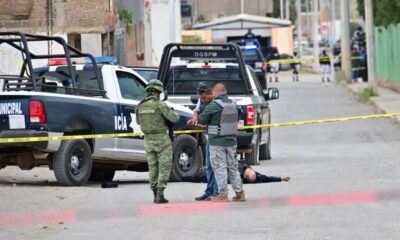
column 281, row 8
column 315, row 27
column 370, row 34
column 287, row 9
column 299, row 29
column 241, row 6
column 345, row 38
column 333, row 37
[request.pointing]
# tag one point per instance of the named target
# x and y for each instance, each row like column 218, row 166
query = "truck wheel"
column 187, row 158
column 101, row 174
column 72, row 163
column 265, row 149
column 253, row 157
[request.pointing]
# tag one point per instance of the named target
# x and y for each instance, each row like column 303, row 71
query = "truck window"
column 184, row 80
column 131, row 87
column 251, row 55
column 58, row 81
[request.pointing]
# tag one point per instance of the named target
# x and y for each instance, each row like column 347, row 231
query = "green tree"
column 276, row 12
column 386, row 12
column 126, row 17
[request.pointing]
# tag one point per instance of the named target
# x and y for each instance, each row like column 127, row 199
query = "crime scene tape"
column 305, row 59
column 118, row 135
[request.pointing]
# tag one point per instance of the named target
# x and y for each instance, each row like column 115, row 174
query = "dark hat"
column 202, row 88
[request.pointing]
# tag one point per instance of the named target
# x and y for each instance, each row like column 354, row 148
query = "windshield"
column 147, row 73
column 184, row 81
column 251, row 55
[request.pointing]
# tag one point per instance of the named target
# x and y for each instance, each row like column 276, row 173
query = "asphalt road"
column 345, row 185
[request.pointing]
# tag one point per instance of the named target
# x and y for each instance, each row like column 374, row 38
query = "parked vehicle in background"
column 303, row 41
column 253, row 56
column 211, row 63
column 65, row 99
column 284, row 65
column 147, row 73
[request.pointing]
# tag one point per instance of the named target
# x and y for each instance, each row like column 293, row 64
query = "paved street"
column 345, row 185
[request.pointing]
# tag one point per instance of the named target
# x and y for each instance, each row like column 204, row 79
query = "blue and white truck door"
column 108, row 147
column 131, row 89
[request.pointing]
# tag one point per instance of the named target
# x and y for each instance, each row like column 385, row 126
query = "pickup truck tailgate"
column 14, row 112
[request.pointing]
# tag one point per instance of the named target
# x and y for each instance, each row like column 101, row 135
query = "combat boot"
column 160, row 197
column 220, row 198
column 240, row 197
column 154, row 194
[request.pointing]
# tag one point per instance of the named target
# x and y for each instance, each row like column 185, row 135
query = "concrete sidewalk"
column 387, row 100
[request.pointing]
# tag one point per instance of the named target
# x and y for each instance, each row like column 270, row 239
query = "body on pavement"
column 247, row 174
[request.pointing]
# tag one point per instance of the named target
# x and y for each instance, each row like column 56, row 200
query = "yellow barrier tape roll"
column 118, row 135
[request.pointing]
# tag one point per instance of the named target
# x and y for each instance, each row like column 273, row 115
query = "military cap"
column 155, row 84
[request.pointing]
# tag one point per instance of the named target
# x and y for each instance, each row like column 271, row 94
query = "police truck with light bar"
column 77, row 94
column 184, row 65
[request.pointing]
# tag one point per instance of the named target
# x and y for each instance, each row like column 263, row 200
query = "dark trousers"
column 212, row 187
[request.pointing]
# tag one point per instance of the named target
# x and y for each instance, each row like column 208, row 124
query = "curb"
column 379, row 102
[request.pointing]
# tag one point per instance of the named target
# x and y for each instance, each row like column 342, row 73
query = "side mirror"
column 164, row 96
column 272, row 94
column 194, row 99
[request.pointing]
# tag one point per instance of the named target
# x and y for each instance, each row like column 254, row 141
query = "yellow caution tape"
column 118, row 135
column 305, row 59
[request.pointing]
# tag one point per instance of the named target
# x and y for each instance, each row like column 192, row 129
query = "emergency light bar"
column 247, row 47
column 206, row 66
column 86, row 60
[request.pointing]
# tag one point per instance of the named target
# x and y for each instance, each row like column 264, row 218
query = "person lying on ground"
column 247, row 174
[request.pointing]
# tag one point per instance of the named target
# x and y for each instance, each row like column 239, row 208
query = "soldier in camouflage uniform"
column 152, row 116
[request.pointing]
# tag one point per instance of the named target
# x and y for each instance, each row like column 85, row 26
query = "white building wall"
column 91, row 43
column 165, row 26
column 220, row 36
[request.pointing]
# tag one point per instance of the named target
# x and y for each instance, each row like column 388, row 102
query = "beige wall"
column 205, row 35
column 68, row 16
column 282, row 38
column 211, row 9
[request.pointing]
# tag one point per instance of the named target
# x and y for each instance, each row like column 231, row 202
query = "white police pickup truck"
column 211, row 63
column 77, row 99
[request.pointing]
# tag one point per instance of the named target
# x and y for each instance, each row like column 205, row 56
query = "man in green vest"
column 221, row 118
column 152, row 116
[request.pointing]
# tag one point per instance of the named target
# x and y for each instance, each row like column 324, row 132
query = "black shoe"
column 160, row 199
column 203, row 197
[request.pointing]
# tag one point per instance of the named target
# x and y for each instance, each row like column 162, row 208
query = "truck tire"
column 101, row 174
column 187, row 158
column 72, row 163
column 265, row 149
column 253, row 157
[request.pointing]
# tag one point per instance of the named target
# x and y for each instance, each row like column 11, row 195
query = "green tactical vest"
column 151, row 118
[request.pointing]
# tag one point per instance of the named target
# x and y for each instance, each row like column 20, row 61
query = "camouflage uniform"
column 152, row 116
